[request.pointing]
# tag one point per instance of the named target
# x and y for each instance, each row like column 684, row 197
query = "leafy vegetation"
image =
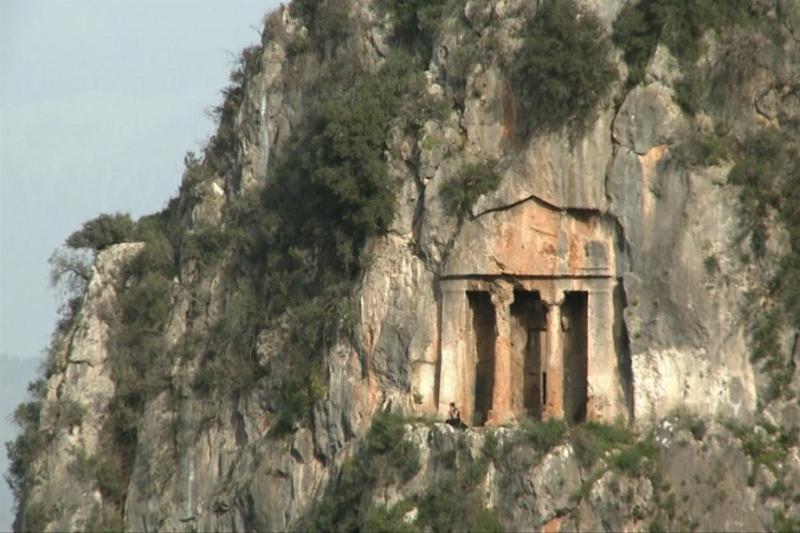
column 768, row 170
column 301, row 247
column 563, row 70
column 30, row 442
column 35, row 517
column 104, row 469
column 385, row 457
column 687, row 420
column 448, row 507
column 340, row 172
column 704, row 148
column 636, row 460
column 103, row 231
column 328, row 22
column 543, row 435
column 473, row 181
column 679, row 25
column 70, row 413
column 416, row 22
column 786, row 523
column 593, row 440
column 221, row 152
column 765, row 443
column 139, row 360
column 455, row 502
column 711, row 264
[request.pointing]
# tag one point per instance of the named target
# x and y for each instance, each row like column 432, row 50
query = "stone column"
column 606, row 399
column 554, row 365
column 501, row 412
column 453, row 352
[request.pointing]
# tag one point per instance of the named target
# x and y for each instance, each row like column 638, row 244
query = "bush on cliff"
column 767, row 169
column 328, row 23
column 334, row 190
column 473, row 181
column 416, row 22
column 678, row 24
column 385, row 457
column 300, row 247
column 29, row 443
column 103, row 231
column 563, row 71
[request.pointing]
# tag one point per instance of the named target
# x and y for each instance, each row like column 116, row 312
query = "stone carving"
column 527, row 319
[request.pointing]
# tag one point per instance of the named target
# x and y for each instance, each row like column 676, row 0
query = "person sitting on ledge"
column 455, row 418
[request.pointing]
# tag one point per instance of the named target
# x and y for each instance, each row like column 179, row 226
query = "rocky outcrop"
column 76, row 404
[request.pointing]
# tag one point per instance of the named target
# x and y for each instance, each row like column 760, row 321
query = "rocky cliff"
column 577, row 221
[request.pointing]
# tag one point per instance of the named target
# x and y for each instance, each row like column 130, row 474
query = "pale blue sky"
column 99, row 100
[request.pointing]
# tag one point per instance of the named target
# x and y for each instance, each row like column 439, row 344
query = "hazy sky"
column 99, row 100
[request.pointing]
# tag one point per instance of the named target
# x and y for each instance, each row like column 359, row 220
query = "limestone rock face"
column 82, row 382
column 604, row 275
column 554, row 489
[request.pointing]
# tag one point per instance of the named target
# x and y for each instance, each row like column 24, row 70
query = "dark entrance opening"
column 528, row 330
column 574, row 325
column 483, row 331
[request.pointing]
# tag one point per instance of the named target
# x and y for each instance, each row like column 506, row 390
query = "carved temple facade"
column 530, row 319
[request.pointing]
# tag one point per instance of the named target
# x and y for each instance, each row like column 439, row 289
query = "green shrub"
column 70, row 271
column 384, row 458
column 103, row 231
column 635, row 460
column 194, row 173
column 690, row 90
column 157, row 255
column 473, row 181
column 545, row 435
column 491, row 449
column 448, row 507
column 35, row 517
column 704, row 149
column 220, row 154
column 205, row 244
column 456, row 501
column 593, row 440
column 768, row 170
column 386, row 438
column 563, row 71
column 297, row 253
column 379, row 519
column 687, row 420
column 105, row 518
column 786, row 523
column 104, row 470
column 766, row 343
column 711, row 264
column 334, row 187
column 765, row 444
column 303, row 245
column 146, row 304
column 679, row 24
column 416, row 22
column 23, row 451
column 328, row 22
column 460, row 64
column 139, row 360
column 69, row 414
column 763, row 161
